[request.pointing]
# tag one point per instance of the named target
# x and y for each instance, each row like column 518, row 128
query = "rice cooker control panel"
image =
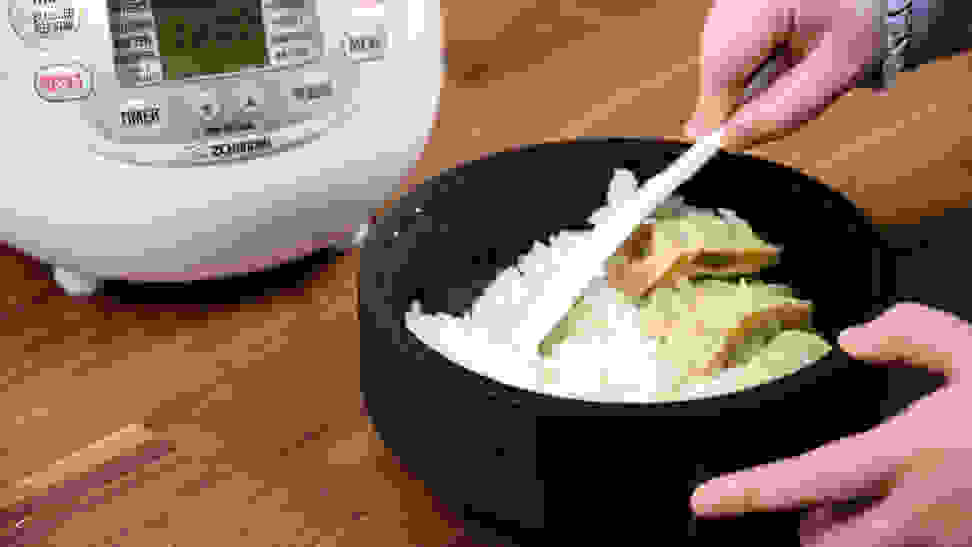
column 171, row 82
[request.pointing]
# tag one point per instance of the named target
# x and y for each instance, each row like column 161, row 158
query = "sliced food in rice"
column 708, row 325
column 661, row 253
column 776, row 359
column 650, row 329
column 785, row 316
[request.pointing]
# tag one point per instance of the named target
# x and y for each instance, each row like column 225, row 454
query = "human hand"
column 916, row 463
column 825, row 45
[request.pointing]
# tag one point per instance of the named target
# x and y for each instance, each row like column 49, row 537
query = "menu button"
column 365, row 46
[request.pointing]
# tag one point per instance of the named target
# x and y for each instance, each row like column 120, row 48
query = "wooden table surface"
column 261, row 398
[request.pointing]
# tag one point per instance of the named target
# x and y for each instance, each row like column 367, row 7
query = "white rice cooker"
column 175, row 140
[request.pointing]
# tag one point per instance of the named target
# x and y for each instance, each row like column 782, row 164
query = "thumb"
column 841, row 470
column 735, row 43
column 727, row 57
column 797, row 96
column 716, row 105
column 710, row 113
column 923, row 337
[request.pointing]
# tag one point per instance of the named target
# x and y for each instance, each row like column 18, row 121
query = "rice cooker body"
column 155, row 137
column 527, row 467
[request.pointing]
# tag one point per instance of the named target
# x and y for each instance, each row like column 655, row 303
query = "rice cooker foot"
column 75, row 284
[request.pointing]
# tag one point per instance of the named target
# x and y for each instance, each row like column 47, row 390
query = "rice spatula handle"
column 585, row 262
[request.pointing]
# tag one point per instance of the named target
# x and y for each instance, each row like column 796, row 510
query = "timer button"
column 140, row 115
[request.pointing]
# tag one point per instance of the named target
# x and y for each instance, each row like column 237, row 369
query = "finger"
column 819, row 520
column 713, row 111
column 828, row 515
column 741, row 138
column 938, row 500
column 859, row 465
column 888, row 524
column 910, row 332
column 800, row 95
column 728, row 57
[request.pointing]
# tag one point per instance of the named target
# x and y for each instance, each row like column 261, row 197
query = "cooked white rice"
column 613, row 364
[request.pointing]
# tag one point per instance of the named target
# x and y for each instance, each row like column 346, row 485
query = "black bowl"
column 526, row 467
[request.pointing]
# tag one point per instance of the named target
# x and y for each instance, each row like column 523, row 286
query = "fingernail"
column 709, row 496
column 734, row 138
column 691, row 129
column 859, row 340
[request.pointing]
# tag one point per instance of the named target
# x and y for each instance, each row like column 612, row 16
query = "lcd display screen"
column 209, row 37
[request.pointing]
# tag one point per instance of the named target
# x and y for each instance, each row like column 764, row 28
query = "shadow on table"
column 289, row 278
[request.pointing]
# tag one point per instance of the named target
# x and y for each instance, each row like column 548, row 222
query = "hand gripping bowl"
column 531, row 469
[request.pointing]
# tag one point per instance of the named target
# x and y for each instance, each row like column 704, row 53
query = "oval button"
column 60, row 83
column 365, row 46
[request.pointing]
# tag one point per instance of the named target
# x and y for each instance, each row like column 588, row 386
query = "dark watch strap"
column 898, row 27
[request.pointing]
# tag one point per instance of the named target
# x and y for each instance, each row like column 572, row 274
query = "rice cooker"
column 175, row 140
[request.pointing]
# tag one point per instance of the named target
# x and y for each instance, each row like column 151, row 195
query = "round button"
column 250, row 104
column 248, row 98
column 208, row 107
column 209, row 111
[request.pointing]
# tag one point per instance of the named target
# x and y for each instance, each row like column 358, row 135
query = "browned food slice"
column 791, row 315
column 633, row 269
column 706, row 326
column 731, row 261
column 636, row 268
column 637, row 276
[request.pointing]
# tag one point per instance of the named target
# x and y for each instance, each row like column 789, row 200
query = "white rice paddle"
column 585, row 262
